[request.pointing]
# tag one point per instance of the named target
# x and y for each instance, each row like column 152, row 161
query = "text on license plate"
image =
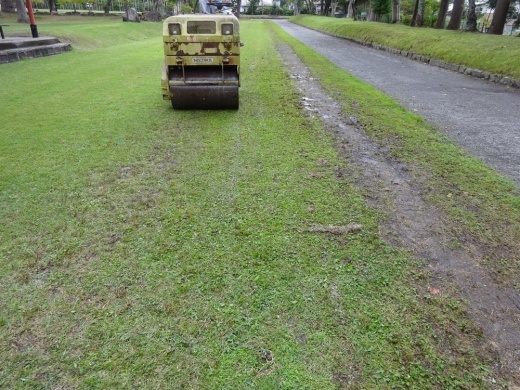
column 202, row 60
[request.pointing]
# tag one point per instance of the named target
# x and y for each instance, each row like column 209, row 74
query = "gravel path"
column 480, row 116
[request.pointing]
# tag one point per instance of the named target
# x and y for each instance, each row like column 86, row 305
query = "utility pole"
column 34, row 28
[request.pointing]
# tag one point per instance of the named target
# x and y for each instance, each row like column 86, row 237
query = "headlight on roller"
column 174, row 29
column 227, row 29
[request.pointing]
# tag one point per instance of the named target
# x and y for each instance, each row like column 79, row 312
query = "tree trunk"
column 325, row 10
column 414, row 15
column 441, row 15
column 21, row 12
column 107, row 6
column 351, row 9
column 52, row 7
column 8, row 6
column 396, row 11
column 499, row 18
column 239, row 7
column 419, row 18
column 471, row 20
column 456, row 15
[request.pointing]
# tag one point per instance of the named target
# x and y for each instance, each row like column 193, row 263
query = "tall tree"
column 418, row 14
column 21, row 12
column 326, row 5
column 456, row 15
column 396, row 11
column 499, row 17
column 351, row 12
column 52, row 7
column 107, row 6
column 441, row 15
column 419, row 19
column 414, row 13
column 471, row 19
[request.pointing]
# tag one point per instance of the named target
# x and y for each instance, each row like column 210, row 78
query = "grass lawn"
column 151, row 248
column 84, row 32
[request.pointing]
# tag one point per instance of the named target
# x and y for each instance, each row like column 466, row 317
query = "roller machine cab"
column 201, row 61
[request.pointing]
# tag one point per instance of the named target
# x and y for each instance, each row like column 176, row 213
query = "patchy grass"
column 483, row 205
column 499, row 55
column 151, row 248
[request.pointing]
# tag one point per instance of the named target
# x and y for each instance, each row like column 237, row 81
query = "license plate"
column 202, row 60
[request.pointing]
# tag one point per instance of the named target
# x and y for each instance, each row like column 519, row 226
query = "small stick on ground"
column 350, row 228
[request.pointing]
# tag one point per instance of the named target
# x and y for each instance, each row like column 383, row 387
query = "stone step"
column 20, row 53
column 17, row 42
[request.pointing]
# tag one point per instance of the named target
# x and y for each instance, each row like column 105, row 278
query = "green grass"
column 498, row 55
column 144, row 247
column 85, row 32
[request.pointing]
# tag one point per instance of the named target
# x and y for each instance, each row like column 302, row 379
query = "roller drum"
column 204, row 97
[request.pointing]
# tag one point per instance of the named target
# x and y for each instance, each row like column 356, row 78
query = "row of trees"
column 392, row 11
column 423, row 12
column 501, row 10
column 416, row 13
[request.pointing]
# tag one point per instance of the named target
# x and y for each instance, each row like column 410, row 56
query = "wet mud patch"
column 412, row 223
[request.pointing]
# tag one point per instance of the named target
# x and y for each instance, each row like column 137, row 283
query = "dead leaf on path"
column 434, row 291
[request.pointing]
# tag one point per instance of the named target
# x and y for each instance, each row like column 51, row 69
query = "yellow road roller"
column 201, row 61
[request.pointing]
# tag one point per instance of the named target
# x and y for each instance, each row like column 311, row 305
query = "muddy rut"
column 415, row 225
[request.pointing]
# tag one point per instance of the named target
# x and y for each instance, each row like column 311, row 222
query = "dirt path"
column 417, row 226
column 480, row 116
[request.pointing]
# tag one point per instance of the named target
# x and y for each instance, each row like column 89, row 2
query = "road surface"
column 480, row 116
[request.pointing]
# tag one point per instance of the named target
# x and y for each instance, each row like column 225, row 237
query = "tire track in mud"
column 415, row 225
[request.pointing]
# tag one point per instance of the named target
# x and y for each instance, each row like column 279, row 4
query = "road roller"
column 201, row 60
